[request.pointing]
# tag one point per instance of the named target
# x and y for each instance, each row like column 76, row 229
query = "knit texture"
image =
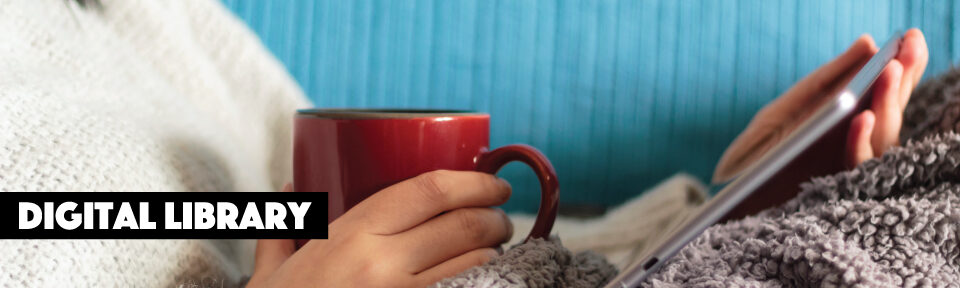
column 934, row 107
column 590, row 245
column 132, row 95
column 538, row 263
column 628, row 231
column 892, row 221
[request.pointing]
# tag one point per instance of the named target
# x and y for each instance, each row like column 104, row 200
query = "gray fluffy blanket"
column 893, row 221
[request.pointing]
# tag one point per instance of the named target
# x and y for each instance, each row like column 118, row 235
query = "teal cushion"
column 619, row 94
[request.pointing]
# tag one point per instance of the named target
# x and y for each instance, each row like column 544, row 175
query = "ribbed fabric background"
column 619, row 94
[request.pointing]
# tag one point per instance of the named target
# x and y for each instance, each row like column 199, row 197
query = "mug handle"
column 491, row 162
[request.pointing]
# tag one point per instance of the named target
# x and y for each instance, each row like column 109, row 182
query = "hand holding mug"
column 411, row 234
column 409, row 194
column 353, row 153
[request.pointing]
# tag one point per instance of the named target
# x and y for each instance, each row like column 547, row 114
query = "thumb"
column 271, row 253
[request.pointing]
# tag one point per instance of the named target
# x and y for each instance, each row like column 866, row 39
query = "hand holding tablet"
column 849, row 112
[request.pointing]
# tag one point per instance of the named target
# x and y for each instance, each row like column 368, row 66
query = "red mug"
column 353, row 153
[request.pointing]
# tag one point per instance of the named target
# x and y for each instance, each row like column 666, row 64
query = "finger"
column 411, row 202
column 756, row 139
column 452, row 234
column 271, row 253
column 914, row 57
column 287, row 187
column 794, row 106
column 829, row 76
column 782, row 115
column 859, row 148
column 456, row 265
column 856, row 56
column 886, row 108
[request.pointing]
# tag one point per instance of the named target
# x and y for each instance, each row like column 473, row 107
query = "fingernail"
column 503, row 182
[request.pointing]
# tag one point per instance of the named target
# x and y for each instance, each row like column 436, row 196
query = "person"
column 178, row 95
column 382, row 242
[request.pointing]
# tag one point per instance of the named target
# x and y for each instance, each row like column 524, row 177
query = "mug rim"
column 383, row 113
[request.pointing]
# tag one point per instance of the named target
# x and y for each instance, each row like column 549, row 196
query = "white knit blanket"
column 171, row 95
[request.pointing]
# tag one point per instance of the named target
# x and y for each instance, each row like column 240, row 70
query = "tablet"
column 852, row 99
